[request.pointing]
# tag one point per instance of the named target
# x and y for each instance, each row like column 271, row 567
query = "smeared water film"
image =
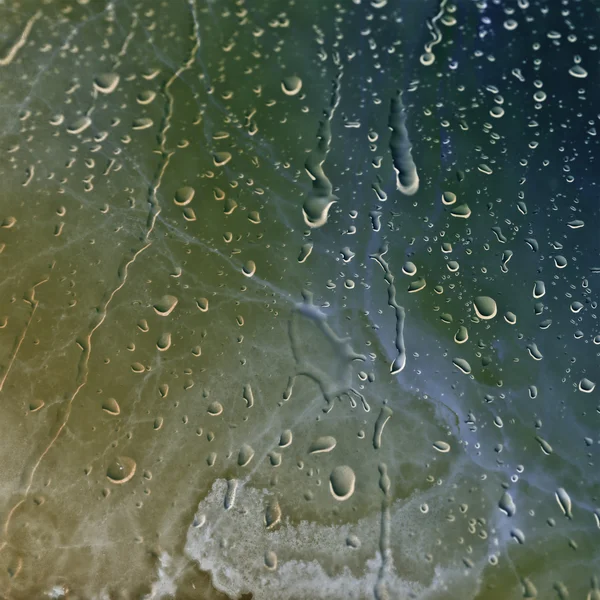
column 299, row 299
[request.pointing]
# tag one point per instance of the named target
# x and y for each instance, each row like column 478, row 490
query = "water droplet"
column 529, row 590
column 427, row 59
column 146, row 97
column 448, row 198
column 285, row 439
column 462, row 335
column 462, row 365
column 534, row 351
column 416, row 285
column 407, row 178
column 121, row 469
column 164, row 342
column 462, row 211
column 305, row 251
column 270, row 560
column 291, row 85
column 323, row 444
column 106, row 83
column 316, row 209
column 111, row 406
column 36, row 405
column 544, row 445
column 507, row 504
column 142, row 123
column 342, row 482
column 220, row 159
column 518, row 535
column 184, row 195
column 560, row 262
column 249, row 268
column 165, row 306
column 497, row 112
column 272, row 513
column 586, row 386
column 564, row 501
column 79, row 125
column 202, row 304
column 215, row 408
column 442, row 446
column 485, row 307
column 245, row 455
column 275, row 458
column 409, row 268
column 578, row 71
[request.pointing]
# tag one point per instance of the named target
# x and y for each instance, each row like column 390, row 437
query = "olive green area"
column 299, row 300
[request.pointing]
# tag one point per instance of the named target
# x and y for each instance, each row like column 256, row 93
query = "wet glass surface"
column 299, row 299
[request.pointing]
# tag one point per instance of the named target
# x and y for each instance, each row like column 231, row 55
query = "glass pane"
column 299, row 299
